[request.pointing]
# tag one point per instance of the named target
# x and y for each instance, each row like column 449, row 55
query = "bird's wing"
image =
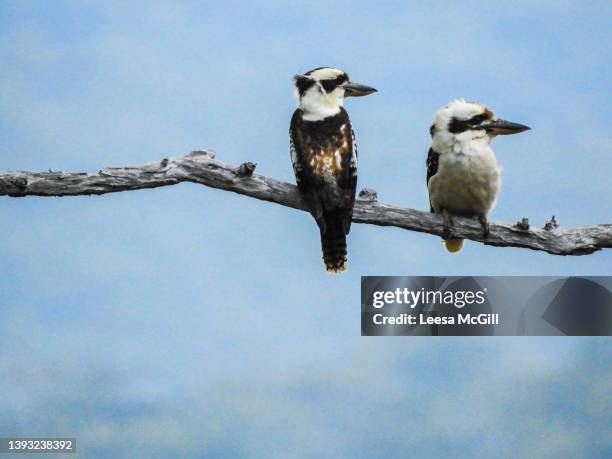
column 351, row 183
column 432, row 168
column 305, row 178
column 325, row 148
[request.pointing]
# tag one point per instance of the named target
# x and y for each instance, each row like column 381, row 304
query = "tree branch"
column 201, row 167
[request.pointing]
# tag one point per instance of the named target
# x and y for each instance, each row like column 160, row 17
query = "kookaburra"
column 463, row 177
column 324, row 156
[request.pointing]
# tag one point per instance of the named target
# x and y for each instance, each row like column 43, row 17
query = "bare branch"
column 201, row 167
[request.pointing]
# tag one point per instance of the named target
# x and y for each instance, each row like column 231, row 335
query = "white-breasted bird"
column 324, row 156
column 463, row 177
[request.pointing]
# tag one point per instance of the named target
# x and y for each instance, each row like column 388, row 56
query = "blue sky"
column 201, row 322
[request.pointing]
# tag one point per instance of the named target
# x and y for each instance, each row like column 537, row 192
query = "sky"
column 190, row 322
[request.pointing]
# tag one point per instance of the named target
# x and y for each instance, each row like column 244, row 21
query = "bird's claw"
column 448, row 225
column 485, row 225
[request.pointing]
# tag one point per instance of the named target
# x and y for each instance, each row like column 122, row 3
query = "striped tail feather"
column 333, row 244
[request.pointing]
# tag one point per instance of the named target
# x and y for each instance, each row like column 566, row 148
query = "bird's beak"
column 503, row 127
column 357, row 90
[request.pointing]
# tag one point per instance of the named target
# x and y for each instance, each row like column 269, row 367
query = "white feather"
column 468, row 177
column 317, row 104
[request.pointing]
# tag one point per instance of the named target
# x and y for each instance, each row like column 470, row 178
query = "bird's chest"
column 326, row 156
column 465, row 184
column 326, row 162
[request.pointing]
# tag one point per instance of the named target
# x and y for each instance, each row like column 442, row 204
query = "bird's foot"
column 485, row 225
column 448, row 225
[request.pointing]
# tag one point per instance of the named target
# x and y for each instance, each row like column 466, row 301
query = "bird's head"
column 462, row 122
column 320, row 92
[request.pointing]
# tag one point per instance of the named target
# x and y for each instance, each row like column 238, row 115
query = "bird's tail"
column 333, row 244
column 453, row 245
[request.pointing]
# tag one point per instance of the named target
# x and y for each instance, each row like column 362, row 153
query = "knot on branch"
column 551, row 224
column 523, row 224
column 245, row 169
column 21, row 183
column 368, row 195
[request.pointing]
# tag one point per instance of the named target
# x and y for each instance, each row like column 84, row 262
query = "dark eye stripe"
column 303, row 83
column 457, row 126
column 477, row 119
column 330, row 85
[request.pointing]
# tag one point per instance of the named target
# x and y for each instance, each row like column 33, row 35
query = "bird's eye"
column 477, row 119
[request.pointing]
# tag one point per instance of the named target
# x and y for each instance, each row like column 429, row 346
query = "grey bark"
column 201, row 167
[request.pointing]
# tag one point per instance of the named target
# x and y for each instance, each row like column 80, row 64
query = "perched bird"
column 463, row 177
column 324, row 156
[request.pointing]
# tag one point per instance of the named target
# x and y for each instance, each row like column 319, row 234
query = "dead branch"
column 201, row 167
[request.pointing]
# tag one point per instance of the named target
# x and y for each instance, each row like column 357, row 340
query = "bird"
column 463, row 176
column 324, row 156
